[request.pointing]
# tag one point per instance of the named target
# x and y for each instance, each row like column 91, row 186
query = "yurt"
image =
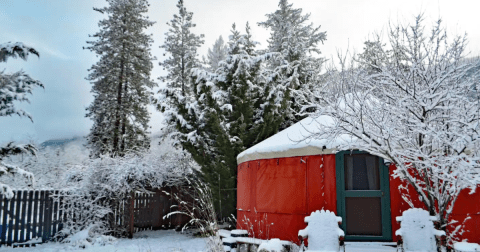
column 287, row 176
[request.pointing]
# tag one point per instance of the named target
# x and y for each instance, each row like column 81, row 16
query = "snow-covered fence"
column 34, row 216
column 29, row 217
column 150, row 208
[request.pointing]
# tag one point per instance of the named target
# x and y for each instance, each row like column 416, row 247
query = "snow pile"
column 297, row 140
column 239, row 233
column 322, row 231
column 417, row 231
column 88, row 237
column 273, row 245
column 466, row 247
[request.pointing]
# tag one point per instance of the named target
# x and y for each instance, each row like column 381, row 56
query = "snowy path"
column 170, row 241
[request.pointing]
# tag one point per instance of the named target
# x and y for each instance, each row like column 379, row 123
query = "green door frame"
column 384, row 194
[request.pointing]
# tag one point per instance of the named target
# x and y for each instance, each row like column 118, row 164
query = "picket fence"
column 34, row 216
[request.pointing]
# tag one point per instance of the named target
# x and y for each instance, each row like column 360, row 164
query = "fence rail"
column 34, row 216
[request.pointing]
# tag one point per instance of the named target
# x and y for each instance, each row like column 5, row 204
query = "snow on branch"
column 409, row 102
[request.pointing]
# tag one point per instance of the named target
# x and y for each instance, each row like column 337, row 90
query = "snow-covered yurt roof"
column 293, row 141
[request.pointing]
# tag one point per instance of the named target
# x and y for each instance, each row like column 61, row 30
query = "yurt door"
column 363, row 199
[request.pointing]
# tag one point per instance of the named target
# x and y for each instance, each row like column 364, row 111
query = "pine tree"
column 294, row 68
column 231, row 116
column 121, row 79
column 15, row 88
column 217, row 53
column 176, row 100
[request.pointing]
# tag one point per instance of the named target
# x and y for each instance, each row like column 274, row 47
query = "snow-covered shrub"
column 9, row 169
column 49, row 165
column 98, row 190
column 85, row 211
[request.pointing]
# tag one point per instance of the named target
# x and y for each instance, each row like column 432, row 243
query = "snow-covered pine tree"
column 232, row 115
column 217, row 53
column 298, row 66
column 121, row 79
column 177, row 100
column 15, row 88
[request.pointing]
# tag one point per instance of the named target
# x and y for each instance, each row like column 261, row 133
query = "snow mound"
column 273, row 245
column 417, row 230
column 322, row 231
column 466, row 247
column 239, row 232
column 294, row 141
column 87, row 238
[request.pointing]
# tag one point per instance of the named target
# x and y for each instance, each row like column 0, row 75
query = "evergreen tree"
column 15, row 88
column 231, row 116
column 217, row 53
column 295, row 68
column 121, row 79
column 176, row 98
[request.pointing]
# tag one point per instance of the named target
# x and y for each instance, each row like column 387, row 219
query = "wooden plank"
column 18, row 202
column 4, row 219
column 11, row 208
column 41, row 214
column 23, row 216
column 29, row 215
column 61, row 217
column 47, row 223
column 36, row 203
column 55, row 215
column 131, row 215
column 137, row 216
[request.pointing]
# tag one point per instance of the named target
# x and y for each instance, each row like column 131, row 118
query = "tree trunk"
column 124, row 122
column 119, row 104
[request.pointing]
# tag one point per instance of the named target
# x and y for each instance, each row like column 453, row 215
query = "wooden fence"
column 33, row 216
column 29, row 217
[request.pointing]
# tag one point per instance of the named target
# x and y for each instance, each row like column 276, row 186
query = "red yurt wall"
column 466, row 211
column 283, row 191
column 274, row 196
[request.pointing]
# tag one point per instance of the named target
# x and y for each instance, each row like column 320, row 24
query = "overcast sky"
column 59, row 29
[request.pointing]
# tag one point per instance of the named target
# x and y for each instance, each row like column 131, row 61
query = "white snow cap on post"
column 293, row 141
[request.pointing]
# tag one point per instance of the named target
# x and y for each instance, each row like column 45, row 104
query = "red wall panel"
column 244, row 182
column 281, row 186
column 321, row 183
column 259, row 225
column 330, row 182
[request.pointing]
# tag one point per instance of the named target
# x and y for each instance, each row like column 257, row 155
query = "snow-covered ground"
column 170, row 241
column 146, row 241
column 369, row 247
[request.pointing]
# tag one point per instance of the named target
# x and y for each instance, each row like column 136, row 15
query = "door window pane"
column 361, row 172
column 363, row 216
